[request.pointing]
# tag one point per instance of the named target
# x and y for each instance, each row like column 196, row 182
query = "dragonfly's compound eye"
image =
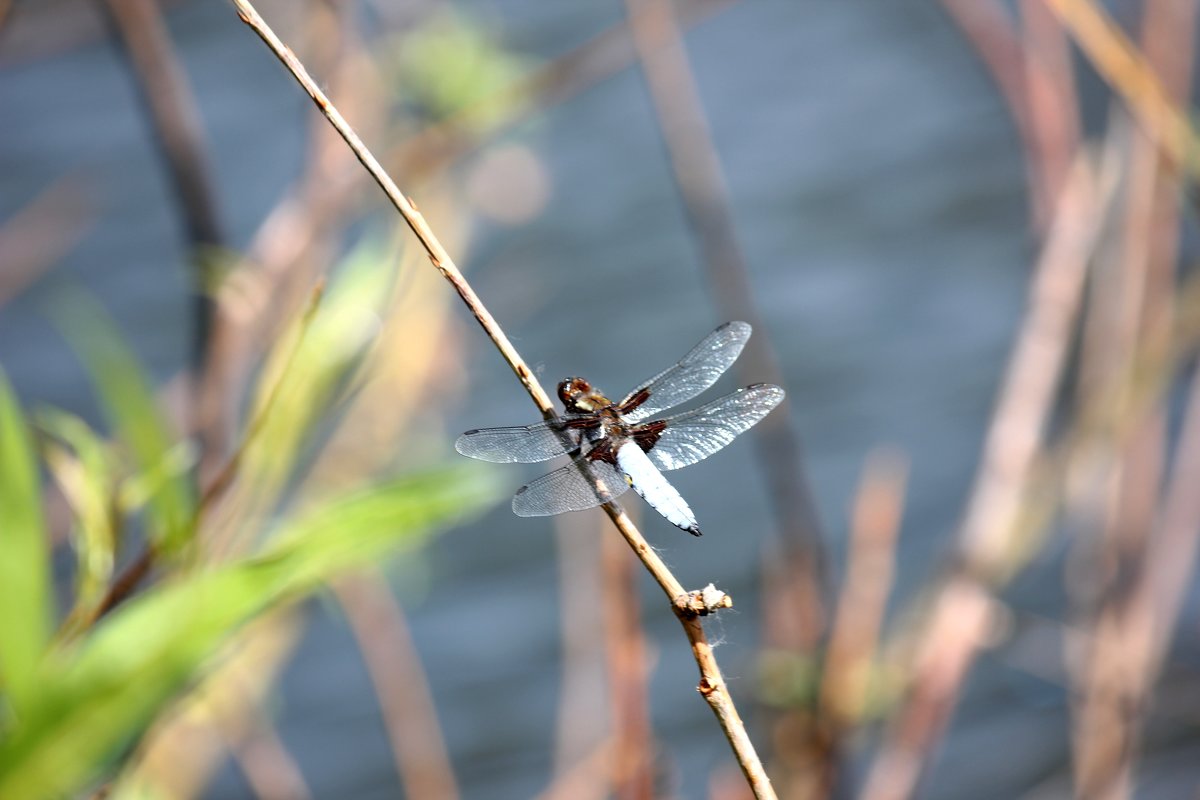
column 571, row 390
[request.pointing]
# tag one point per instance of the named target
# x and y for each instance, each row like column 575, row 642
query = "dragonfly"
column 615, row 446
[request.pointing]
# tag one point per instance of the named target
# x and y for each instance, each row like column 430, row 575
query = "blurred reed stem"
column 1030, row 66
column 409, row 714
column 1125, row 69
column 960, row 612
column 174, row 119
column 1114, row 666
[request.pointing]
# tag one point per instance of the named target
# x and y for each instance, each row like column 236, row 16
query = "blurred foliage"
column 93, row 699
column 161, row 463
column 76, row 702
column 26, row 600
column 85, row 469
column 452, row 64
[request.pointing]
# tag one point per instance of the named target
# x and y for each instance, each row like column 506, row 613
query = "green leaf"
column 85, row 471
column 92, row 705
column 133, row 411
column 26, row 601
column 307, row 374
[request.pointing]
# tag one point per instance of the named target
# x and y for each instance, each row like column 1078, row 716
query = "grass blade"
column 25, row 600
column 83, row 466
column 91, row 706
column 135, row 415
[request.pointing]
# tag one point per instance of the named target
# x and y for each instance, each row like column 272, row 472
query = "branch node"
column 702, row 602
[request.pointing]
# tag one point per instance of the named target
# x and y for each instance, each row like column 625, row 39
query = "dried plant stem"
column 416, row 222
column 633, row 762
column 962, row 608
column 1036, row 89
column 687, row 607
column 1118, row 665
column 409, row 715
column 175, row 121
column 853, row 638
column 1124, row 68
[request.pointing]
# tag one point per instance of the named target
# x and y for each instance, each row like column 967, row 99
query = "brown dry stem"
column 797, row 571
column 712, row 685
column 174, row 117
column 1139, row 86
column 961, row 612
column 406, row 701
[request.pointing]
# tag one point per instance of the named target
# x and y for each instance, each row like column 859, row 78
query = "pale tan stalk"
column 1114, row 672
column 628, row 671
column 687, row 607
column 1036, row 89
column 1124, row 68
column 793, row 585
column 406, row 702
column 582, row 692
column 870, row 565
column 961, row 610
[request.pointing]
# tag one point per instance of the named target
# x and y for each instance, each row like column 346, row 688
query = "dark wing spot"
column 603, row 451
column 648, row 435
column 640, row 397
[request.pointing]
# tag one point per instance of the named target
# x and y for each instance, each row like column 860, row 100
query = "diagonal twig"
column 687, row 608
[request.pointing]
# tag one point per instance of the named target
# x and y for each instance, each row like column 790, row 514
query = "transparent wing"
column 696, row 435
column 694, row 373
column 521, row 445
column 579, row 485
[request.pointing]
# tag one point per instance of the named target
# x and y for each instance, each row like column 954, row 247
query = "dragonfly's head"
column 579, row 397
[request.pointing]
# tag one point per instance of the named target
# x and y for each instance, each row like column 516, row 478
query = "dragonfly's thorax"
column 580, row 397
column 611, row 424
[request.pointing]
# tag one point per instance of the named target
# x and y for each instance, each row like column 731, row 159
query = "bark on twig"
column 712, row 686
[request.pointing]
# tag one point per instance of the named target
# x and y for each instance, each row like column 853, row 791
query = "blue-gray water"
column 880, row 198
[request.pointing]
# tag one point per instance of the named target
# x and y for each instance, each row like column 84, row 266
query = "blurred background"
column 960, row 556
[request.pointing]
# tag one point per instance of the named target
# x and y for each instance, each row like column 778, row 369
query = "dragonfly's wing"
column 579, row 485
column 524, row 445
column 695, row 435
column 694, row 373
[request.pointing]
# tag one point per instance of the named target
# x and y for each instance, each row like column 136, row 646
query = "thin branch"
column 687, row 607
